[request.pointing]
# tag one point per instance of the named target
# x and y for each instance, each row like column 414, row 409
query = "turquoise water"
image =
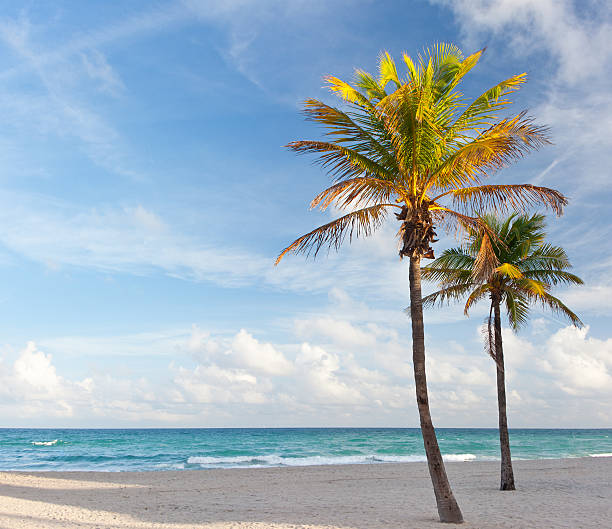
column 177, row 449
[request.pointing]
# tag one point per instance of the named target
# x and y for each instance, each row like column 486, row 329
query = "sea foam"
column 276, row 460
column 47, row 443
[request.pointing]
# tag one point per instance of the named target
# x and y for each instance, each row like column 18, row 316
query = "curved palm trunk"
column 447, row 505
column 507, row 474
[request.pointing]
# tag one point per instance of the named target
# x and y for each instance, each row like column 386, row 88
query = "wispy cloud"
column 66, row 74
column 574, row 85
column 17, row 31
column 136, row 240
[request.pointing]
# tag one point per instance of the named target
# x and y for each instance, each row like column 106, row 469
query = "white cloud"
column 320, row 376
column 33, row 368
column 261, row 357
column 338, row 331
column 563, row 380
column 32, row 387
column 212, row 384
column 579, row 44
column 581, row 365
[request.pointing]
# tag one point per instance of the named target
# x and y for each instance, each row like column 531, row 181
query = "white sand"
column 572, row 493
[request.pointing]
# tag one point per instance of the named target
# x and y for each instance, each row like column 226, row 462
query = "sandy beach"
column 572, row 493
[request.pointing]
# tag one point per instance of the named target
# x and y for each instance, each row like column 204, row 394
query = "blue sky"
column 145, row 193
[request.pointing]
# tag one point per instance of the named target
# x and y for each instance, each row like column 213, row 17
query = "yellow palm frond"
column 413, row 71
column 466, row 65
column 387, row 70
column 509, row 270
column 531, row 287
column 347, row 92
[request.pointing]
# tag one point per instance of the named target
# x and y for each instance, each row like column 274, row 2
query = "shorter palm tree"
column 526, row 269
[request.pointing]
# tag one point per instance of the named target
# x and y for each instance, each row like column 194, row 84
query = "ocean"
column 187, row 449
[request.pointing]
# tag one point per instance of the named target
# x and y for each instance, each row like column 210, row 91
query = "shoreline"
column 319, row 465
column 571, row 492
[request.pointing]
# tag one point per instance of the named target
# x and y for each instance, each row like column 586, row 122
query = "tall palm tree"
column 416, row 145
column 526, row 269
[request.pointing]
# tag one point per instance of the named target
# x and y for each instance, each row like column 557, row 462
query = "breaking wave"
column 47, row 443
column 273, row 460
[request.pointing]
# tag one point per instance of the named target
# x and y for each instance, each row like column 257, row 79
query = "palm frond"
column 546, row 257
column 460, row 224
column 365, row 81
column 504, row 142
column 357, row 131
column 447, row 295
column 463, row 67
column 355, row 192
column 476, row 295
column 486, row 260
column 509, row 270
column 347, row 92
column 341, row 162
column 501, row 198
column 553, row 277
column 451, row 259
column 517, row 308
column 360, row 223
column 387, row 71
column 481, row 112
column 555, row 305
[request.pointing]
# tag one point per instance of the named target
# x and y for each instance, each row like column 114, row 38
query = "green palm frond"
column 446, row 295
column 558, row 307
column 452, row 259
column 358, row 131
column 546, row 257
column 554, row 277
column 528, row 267
column 517, row 309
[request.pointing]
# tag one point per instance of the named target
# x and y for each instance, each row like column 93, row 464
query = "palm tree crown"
column 525, row 270
column 416, row 145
